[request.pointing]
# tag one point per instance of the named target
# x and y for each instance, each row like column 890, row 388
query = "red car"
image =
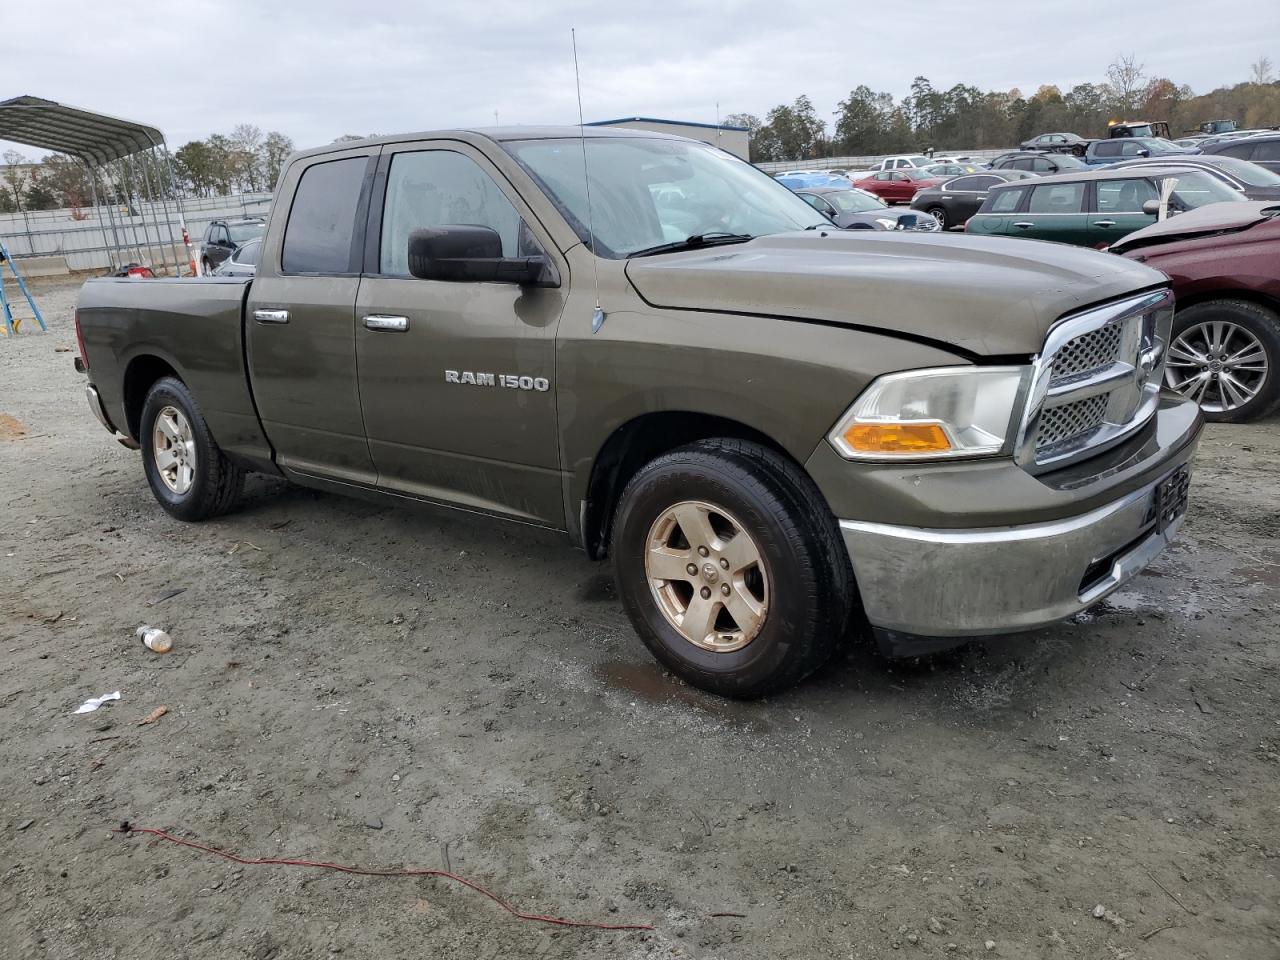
column 898, row 186
column 1224, row 261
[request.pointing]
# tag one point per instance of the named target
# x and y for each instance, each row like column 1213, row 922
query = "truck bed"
column 193, row 326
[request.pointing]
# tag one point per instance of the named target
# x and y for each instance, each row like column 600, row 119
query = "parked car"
column 781, row 435
column 1044, row 163
column 243, row 262
column 853, row 209
column 897, row 186
column 800, row 181
column 1057, row 143
column 222, row 237
column 1224, row 261
column 1253, row 181
column 954, row 202
column 1109, row 151
column 1262, row 149
column 903, row 163
column 1094, row 207
column 954, row 169
column 1212, row 128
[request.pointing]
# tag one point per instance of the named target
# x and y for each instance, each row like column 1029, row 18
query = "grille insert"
column 1090, row 351
column 1070, row 420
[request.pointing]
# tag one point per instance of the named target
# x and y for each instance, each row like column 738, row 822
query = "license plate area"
column 1171, row 497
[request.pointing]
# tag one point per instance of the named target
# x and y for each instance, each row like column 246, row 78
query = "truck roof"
column 496, row 134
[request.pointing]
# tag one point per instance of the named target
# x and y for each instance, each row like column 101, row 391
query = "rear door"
column 1055, row 211
column 1267, row 154
column 1116, row 209
column 300, row 320
column 457, row 378
column 963, row 196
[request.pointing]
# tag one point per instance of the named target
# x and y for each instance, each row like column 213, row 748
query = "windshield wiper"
column 693, row 242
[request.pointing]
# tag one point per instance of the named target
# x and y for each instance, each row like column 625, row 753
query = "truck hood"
column 985, row 296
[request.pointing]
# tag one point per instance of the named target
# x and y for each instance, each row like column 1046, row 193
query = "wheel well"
column 1251, row 296
column 633, row 445
column 139, row 377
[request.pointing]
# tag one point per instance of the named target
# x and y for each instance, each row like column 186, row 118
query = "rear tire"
column 188, row 473
column 1225, row 355
column 773, row 620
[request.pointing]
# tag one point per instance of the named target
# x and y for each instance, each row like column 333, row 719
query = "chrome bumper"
column 934, row 584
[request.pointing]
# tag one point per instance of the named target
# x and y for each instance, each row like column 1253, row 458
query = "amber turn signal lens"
column 897, row 438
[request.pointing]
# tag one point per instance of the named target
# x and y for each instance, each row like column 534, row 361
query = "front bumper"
column 926, row 589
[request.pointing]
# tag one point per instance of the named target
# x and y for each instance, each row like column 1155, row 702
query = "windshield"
column 649, row 192
column 1195, row 189
column 853, row 201
column 1158, row 145
column 240, row 232
column 1246, row 172
column 1067, row 162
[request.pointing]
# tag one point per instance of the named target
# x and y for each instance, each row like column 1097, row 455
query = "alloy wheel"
column 1218, row 364
column 173, row 448
column 707, row 576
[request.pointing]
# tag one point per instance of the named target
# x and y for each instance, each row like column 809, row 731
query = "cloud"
column 321, row 68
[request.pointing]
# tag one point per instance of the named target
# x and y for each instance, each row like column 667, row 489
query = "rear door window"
column 319, row 235
column 1056, row 198
column 1241, row 150
column 1269, row 152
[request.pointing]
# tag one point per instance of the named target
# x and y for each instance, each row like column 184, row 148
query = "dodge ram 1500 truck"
column 783, row 434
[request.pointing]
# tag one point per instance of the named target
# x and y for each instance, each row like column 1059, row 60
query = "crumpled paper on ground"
column 93, row 703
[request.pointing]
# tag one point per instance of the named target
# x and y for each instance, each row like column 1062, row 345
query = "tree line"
column 869, row 123
column 244, row 160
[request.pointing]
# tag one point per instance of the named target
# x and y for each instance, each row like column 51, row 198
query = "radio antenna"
column 597, row 318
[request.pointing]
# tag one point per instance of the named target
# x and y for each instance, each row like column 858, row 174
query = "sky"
column 317, row 69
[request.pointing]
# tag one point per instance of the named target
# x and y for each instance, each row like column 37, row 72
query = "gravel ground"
column 375, row 686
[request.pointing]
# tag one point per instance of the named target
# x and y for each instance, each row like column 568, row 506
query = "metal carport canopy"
column 94, row 138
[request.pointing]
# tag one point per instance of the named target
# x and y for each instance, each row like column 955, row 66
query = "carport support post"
column 144, row 159
column 182, row 216
column 164, row 206
column 117, row 247
column 130, row 190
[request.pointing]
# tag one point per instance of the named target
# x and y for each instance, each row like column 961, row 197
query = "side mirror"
column 466, row 253
column 1144, row 152
column 1151, row 208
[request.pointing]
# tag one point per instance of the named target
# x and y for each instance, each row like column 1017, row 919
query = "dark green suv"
column 1093, row 208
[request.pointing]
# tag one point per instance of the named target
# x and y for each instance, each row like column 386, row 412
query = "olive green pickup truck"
column 783, row 434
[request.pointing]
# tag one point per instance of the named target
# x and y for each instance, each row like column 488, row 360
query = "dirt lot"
column 371, row 686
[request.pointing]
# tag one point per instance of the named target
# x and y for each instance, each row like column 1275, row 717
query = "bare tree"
column 15, row 175
column 1126, row 78
column 1260, row 71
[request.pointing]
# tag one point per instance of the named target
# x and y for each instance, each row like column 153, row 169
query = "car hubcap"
column 707, row 576
column 940, row 215
column 173, row 447
column 1218, row 364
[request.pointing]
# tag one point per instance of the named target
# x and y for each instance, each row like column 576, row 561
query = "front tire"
column 939, row 214
column 1225, row 355
column 188, row 473
column 768, row 599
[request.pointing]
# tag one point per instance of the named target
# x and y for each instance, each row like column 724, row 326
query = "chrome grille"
column 1090, row 351
column 1070, row 420
column 1097, row 380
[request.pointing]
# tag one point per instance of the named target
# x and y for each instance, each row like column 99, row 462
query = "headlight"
column 938, row 413
column 887, row 223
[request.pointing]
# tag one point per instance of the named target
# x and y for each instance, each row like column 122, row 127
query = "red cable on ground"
column 127, row 828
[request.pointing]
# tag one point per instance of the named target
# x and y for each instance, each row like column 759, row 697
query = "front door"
column 300, row 320
column 1117, row 209
column 457, row 379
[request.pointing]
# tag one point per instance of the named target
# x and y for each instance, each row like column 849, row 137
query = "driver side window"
column 434, row 188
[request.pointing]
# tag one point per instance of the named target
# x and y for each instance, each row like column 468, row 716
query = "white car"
column 904, row 162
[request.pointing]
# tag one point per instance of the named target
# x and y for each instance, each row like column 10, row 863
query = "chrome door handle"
column 271, row 316
column 1024, row 224
column 1104, row 223
column 378, row 321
